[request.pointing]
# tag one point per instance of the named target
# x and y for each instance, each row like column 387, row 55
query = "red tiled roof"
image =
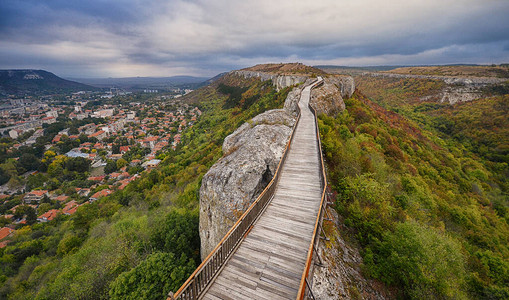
column 96, row 133
column 5, row 232
column 62, row 198
column 70, row 207
column 101, row 193
column 38, row 193
column 49, row 215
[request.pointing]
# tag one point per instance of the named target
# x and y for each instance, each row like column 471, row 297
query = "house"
column 83, row 192
column 35, row 196
column 62, row 198
column 124, row 149
column 5, row 232
column 49, row 120
column 101, row 134
column 150, row 141
column 135, row 162
column 151, row 164
column 99, row 195
column 56, row 139
column 48, row 216
column 114, row 175
column 116, row 156
column 70, row 207
column 73, row 153
column 96, row 178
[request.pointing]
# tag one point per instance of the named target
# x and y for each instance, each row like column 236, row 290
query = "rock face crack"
column 266, row 178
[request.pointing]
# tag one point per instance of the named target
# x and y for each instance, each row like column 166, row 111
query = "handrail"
column 199, row 280
column 304, row 286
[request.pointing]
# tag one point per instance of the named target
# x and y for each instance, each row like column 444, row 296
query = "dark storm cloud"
column 136, row 37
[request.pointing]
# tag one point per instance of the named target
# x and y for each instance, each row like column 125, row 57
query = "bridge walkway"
column 270, row 261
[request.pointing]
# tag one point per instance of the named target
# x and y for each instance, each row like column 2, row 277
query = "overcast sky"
column 102, row 38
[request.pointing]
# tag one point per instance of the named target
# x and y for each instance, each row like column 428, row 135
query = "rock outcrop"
column 457, row 89
column 328, row 98
column 251, row 156
column 340, row 275
column 279, row 81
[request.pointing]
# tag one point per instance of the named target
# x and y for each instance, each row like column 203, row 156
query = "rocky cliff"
column 251, row 156
column 340, row 275
column 253, row 151
column 280, row 81
column 457, row 89
column 328, row 97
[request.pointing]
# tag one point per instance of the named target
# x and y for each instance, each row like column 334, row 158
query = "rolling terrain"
column 37, row 82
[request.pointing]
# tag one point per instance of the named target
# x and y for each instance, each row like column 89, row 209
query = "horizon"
column 197, row 38
column 208, row 76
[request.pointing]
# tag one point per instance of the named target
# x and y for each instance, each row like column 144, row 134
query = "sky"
column 124, row 38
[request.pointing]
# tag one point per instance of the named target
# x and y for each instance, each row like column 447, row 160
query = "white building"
column 52, row 113
column 104, row 113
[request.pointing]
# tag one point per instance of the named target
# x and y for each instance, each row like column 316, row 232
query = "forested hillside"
column 141, row 242
column 427, row 202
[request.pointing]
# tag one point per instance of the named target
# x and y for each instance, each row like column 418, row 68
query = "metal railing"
column 305, row 283
column 206, row 271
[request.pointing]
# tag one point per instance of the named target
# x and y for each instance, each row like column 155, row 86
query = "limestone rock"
column 328, row 98
column 340, row 276
column 251, row 156
column 279, row 81
column 292, row 102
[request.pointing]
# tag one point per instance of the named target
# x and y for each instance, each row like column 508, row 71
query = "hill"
column 500, row 71
column 430, row 215
column 36, row 82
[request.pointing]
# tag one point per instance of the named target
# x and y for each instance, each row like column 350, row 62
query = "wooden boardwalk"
column 270, row 261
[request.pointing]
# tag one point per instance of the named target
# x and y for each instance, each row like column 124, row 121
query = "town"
column 56, row 156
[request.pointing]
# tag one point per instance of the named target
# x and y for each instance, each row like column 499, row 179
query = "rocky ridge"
column 328, row 97
column 278, row 80
column 457, row 89
column 251, row 156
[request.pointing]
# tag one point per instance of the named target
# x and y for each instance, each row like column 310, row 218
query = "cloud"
column 158, row 37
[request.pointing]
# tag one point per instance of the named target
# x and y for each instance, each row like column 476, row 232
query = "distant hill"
column 457, row 70
column 36, row 82
column 139, row 83
column 500, row 71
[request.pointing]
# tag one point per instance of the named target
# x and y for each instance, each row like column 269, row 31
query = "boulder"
column 328, row 97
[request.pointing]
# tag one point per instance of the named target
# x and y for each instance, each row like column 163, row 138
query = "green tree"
column 178, row 234
column 153, row 278
column 29, row 162
column 426, row 263
column 121, row 163
column 111, row 166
